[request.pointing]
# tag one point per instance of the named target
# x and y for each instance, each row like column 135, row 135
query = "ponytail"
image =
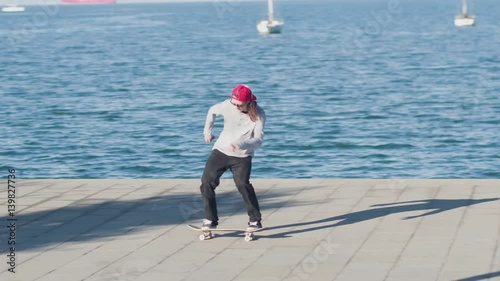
column 252, row 111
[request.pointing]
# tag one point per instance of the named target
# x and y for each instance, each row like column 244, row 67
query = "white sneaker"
column 208, row 224
column 254, row 225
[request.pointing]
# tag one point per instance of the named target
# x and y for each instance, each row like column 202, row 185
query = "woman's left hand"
column 235, row 147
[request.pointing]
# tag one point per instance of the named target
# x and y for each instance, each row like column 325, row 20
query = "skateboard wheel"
column 248, row 237
column 202, row 237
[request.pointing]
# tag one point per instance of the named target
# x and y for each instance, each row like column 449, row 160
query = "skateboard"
column 207, row 233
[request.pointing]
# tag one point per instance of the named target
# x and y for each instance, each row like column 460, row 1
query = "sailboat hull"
column 465, row 21
column 266, row 27
column 12, row 9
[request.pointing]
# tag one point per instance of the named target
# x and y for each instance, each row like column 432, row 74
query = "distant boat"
column 465, row 19
column 88, row 1
column 270, row 25
column 13, row 8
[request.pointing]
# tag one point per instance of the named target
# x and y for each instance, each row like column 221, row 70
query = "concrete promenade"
column 318, row 229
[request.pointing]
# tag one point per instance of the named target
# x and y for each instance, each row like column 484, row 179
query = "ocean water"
column 352, row 89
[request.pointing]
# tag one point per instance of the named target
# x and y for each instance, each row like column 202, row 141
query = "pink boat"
column 88, row 1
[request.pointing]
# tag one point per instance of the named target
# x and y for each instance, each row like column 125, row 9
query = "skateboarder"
column 243, row 132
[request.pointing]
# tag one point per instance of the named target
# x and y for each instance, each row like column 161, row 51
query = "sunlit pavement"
column 317, row 229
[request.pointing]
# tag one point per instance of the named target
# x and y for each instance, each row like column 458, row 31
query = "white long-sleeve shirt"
column 238, row 129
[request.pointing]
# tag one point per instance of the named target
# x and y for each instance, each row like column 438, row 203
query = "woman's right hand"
column 209, row 139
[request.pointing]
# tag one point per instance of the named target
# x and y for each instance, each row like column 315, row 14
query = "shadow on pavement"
column 433, row 206
column 481, row 277
column 86, row 220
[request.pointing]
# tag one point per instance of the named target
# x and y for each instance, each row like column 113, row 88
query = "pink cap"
column 243, row 93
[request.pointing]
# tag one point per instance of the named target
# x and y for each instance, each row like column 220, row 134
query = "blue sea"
column 352, row 89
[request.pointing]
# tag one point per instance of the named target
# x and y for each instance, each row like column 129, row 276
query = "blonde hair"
column 253, row 112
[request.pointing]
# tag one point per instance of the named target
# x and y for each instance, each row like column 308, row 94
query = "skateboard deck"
column 207, row 233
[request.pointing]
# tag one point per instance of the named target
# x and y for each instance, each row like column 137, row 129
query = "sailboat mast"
column 271, row 10
column 464, row 7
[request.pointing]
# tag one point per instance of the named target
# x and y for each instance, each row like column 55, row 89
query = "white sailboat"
column 270, row 25
column 13, row 8
column 464, row 19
